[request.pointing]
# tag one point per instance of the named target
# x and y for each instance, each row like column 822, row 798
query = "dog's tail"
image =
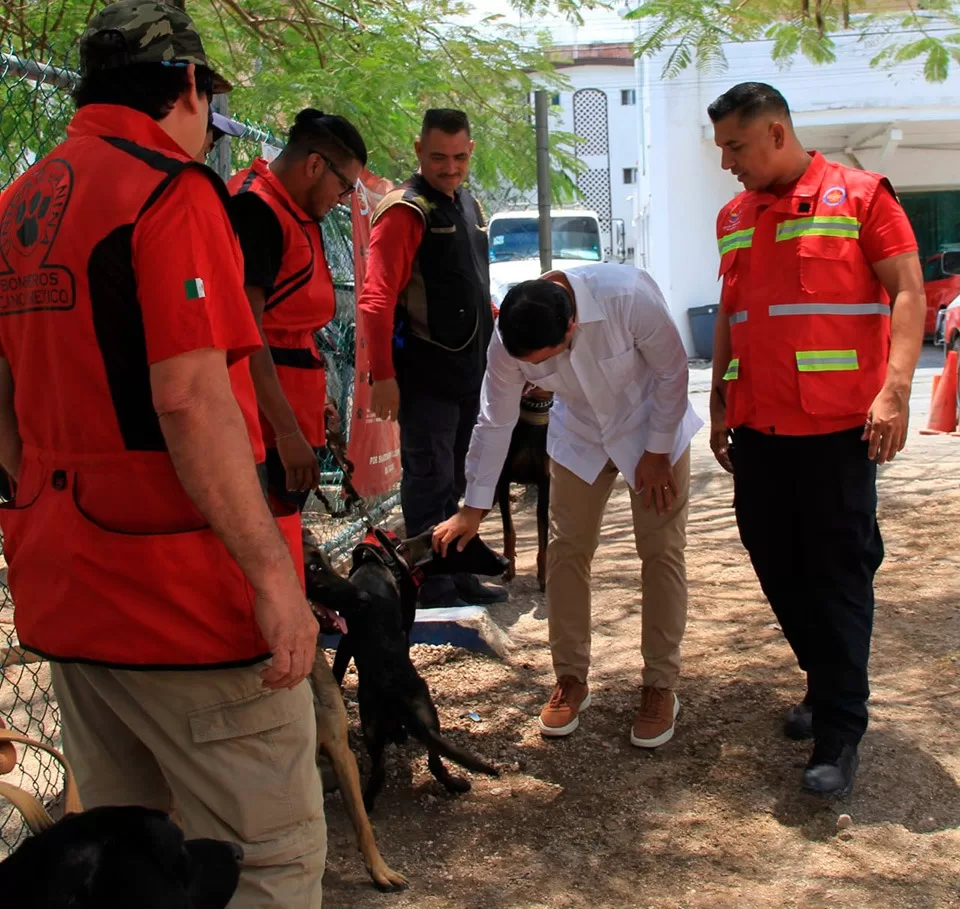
column 433, row 740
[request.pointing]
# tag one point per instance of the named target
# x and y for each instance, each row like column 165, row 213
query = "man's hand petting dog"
column 463, row 526
column 290, row 629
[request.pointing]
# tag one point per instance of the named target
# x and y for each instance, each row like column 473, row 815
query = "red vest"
column 301, row 303
column 809, row 320
column 109, row 560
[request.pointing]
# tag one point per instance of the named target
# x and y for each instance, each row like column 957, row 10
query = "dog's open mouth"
column 331, row 622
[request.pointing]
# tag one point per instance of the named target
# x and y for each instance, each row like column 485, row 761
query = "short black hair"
column 535, row 315
column 150, row 88
column 445, row 119
column 328, row 133
column 749, row 100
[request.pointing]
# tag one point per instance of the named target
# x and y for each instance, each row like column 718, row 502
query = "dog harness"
column 386, row 548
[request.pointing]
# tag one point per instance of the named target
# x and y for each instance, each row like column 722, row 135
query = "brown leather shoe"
column 655, row 719
column 561, row 714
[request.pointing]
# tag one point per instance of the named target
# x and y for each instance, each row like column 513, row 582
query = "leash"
column 34, row 813
column 337, row 446
column 403, row 565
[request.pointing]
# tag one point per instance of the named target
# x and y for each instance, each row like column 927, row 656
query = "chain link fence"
column 35, row 108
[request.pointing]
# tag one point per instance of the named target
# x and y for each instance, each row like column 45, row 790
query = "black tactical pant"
column 806, row 509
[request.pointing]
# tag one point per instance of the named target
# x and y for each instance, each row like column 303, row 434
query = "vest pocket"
column 827, row 265
column 833, row 382
column 173, row 599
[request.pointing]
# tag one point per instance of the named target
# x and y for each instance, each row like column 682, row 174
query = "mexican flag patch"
column 194, row 288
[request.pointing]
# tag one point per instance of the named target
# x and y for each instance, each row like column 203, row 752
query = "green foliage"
column 378, row 62
column 691, row 33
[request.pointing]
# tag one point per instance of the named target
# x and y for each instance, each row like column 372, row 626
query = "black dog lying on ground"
column 119, row 858
column 379, row 605
column 528, row 463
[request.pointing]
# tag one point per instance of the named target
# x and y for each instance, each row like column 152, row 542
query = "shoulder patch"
column 400, row 197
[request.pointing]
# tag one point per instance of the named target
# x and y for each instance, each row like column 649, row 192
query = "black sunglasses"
column 348, row 187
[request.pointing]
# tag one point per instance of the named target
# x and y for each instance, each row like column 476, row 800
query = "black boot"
column 440, row 593
column 470, row 588
column 831, row 769
column 799, row 722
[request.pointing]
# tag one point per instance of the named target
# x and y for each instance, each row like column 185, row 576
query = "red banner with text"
column 374, row 444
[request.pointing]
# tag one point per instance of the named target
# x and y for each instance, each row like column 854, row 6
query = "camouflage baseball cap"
column 144, row 31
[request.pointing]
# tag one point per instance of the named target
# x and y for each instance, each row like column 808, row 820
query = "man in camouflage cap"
column 153, row 575
column 144, row 31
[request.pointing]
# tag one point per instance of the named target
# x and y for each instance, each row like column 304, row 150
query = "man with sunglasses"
column 276, row 209
column 143, row 557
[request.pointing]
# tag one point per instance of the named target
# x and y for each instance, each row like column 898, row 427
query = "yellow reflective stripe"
column 739, row 239
column 733, row 371
column 819, row 226
column 827, row 360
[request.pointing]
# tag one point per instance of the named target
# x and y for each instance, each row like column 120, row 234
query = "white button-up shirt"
column 619, row 390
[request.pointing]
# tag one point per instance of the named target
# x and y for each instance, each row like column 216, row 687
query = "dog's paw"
column 388, row 880
column 457, row 784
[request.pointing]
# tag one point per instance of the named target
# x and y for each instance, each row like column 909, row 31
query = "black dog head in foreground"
column 119, row 858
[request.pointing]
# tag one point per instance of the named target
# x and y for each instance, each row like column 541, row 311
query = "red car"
column 941, row 282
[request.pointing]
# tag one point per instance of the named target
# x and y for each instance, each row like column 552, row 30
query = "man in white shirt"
column 601, row 338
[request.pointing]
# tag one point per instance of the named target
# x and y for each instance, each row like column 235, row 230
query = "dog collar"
column 386, row 548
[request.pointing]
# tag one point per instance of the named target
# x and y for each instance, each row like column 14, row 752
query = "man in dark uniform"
column 426, row 302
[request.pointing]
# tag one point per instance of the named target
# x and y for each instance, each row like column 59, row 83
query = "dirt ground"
column 715, row 818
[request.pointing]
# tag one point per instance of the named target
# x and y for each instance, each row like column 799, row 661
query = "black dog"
column 528, row 463
column 379, row 605
column 119, row 858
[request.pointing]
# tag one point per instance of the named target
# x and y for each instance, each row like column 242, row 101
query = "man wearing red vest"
column 276, row 209
column 819, row 333
column 143, row 558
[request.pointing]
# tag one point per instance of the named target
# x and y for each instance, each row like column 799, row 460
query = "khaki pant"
column 237, row 762
column 576, row 512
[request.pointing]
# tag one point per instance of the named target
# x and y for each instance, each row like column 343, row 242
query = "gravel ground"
column 715, row 818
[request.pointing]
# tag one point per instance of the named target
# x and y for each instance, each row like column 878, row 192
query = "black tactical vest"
column 444, row 320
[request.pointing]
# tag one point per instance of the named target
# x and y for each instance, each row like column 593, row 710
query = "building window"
column 628, row 97
column 555, row 99
column 629, row 175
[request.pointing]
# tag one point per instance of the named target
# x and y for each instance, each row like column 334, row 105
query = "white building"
column 642, row 127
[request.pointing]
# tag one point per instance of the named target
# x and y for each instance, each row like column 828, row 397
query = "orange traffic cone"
column 933, row 391
column 943, row 410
